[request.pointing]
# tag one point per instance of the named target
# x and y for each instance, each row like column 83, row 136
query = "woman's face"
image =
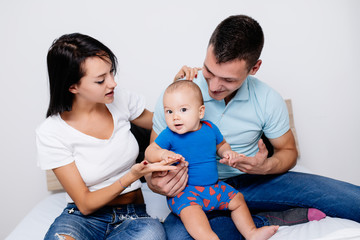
column 98, row 84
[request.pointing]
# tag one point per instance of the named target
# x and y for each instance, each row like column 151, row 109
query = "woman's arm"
column 87, row 201
column 144, row 120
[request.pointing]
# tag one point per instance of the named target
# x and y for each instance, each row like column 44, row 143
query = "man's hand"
column 169, row 183
column 252, row 165
column 188, row 73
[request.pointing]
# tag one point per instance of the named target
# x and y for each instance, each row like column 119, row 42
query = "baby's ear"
column 202, row 111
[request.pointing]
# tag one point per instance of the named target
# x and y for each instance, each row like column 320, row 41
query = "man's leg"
column 175, row 229
column 290, row 190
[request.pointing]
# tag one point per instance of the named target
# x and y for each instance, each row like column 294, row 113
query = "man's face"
column 225, row 79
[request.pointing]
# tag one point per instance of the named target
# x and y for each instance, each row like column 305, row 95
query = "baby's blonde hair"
column 181, row 84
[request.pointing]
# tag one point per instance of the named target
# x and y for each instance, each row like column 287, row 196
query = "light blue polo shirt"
column 256, row 108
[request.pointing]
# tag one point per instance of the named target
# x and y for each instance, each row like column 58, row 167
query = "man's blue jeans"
column 279, row 193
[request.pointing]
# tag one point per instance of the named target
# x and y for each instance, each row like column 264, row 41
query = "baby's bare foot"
column 263, row 233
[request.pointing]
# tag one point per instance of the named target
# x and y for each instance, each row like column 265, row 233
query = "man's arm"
column 283, row 159
column 144, row 120
column 285, row 153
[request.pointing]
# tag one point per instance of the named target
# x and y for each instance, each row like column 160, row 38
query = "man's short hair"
column 238, row 37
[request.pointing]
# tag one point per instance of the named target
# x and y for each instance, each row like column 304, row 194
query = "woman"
column 86, row 141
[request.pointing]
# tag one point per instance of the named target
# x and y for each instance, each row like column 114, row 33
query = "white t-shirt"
column 100, row 162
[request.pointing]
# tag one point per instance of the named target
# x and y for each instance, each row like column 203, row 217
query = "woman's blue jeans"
column 278, row 193
column 120, row 222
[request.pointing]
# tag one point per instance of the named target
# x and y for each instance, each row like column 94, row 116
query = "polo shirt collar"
column 241, row 95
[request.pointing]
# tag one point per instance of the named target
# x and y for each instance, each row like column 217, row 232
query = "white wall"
column 311, row 55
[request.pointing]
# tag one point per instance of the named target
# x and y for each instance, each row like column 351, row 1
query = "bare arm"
column 87, row 201
column 285, row 154
column 283, row 159
column 154, row 153
column 225, row 152
column 222, row 147
column 144, row 120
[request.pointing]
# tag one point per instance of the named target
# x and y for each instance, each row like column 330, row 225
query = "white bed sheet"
column 35, row 224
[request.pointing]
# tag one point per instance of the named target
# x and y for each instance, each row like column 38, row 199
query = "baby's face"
column 183, row 111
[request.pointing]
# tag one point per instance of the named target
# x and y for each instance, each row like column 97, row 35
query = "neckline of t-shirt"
column 79, row 133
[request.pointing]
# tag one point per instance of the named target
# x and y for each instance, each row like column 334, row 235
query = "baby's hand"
column 171, row 157
column 230, row 154
column 228, row 157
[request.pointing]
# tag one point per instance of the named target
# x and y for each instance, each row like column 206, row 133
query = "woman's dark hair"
column 238, row 37
column 65, row 67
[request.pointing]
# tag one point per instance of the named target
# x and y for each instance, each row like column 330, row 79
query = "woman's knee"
column 64, row 237
column 59, row 236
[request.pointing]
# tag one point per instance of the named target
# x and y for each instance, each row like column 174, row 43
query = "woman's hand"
column 188, row 73
column 145, row 167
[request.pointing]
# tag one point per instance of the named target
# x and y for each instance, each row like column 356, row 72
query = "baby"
column 189, row 138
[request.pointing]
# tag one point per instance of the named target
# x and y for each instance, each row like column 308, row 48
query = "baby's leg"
column 196, row 223
column 241, row 217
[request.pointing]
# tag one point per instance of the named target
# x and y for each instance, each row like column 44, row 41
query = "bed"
column 36, row 223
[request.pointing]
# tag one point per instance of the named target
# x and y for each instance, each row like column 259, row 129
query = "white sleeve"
column 52, row 152
column 134, row 103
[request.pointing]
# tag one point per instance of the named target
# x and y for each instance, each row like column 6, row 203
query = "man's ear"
column 202, row 111
column 73, row 89
column 255, row 68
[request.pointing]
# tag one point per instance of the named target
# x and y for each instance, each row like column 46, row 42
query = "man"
column 244, row 108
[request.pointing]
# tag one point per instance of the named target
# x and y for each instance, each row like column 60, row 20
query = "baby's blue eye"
column 183, row 110
column 169, row 111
